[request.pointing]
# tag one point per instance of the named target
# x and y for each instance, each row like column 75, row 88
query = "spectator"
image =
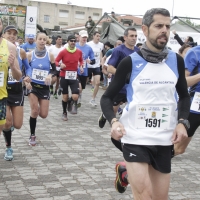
column 113, row 16
column 183, row 50
column 139, row 45
column 48, row 43
column 121, row 38
column 30, row 44
column 76, row 36
column 20, row 41
column 89, row 25
column 189, row 40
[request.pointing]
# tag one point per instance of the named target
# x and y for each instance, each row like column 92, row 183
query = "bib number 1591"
column 153, row 122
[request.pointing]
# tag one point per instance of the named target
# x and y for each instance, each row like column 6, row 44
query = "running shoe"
column 79, row 101
column 102, row 121
column 32, row 141
column 121, row 173
column 12, row 128
column 93, row 103
column 51, row 90
column 60, row 91
column 92, row 88
column 74, row 108
column 78, row 105
column 64, row 117
column 8, row 154
column 55, row 96
column 120, row 111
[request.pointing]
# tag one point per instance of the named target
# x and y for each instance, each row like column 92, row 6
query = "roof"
column 136, row 20
column 182, row 28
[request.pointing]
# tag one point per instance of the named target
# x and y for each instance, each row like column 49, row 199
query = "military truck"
column 55, row 32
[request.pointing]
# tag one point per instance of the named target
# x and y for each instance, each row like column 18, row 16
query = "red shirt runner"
column 70, row 60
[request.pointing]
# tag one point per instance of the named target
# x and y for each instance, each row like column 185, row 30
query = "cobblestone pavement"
column 76, row 160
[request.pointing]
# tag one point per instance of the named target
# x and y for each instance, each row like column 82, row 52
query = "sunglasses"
column 72, row 40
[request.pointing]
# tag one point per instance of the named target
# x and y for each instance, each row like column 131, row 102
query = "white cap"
column 83, row 33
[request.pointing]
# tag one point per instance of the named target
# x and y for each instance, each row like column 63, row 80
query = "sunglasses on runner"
column 72, row 40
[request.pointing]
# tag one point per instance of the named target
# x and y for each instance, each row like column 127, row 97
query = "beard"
column 159, row 45
column 1, row 33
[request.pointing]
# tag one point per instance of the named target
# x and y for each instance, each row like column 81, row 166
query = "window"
column 46, row 18
column 63, row 13
column 63, row 23
column 95, row 16
column 79, row 15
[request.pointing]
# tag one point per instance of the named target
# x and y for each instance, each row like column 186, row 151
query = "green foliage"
column 21, row 32
column 9, row 20
column 189, row 21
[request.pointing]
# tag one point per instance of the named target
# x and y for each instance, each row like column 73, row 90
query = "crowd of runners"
column 159, row 117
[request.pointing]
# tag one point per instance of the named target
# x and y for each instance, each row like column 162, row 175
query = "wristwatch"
column 185, row 122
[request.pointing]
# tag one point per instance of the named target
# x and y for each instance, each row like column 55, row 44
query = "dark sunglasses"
column 72, row 40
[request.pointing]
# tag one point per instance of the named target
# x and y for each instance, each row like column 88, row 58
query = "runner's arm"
column 25, row 62
column 59, row 58
column 111, row 69
column 13, row 62
column 91, row 57
column 114, row 61
column 53, row 65
column 121, row 78
column 191, row 62
column 181, row 87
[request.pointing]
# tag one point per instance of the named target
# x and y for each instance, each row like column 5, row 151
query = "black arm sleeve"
column 181, row 88
column 92, row 62
column 178, row 39
column 121, row 78
column 53, row 69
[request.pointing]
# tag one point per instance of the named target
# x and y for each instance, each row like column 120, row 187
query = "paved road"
column 75, row 160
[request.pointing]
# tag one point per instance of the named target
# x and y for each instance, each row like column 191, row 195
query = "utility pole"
column 172, row 9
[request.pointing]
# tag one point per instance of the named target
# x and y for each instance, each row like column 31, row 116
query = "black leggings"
column 194, row 120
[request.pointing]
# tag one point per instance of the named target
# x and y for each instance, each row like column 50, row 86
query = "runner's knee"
column 43, row 115
column 8, row 123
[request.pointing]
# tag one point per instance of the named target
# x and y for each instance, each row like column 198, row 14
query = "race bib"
column 195, row 106
column 39, row 75
column 71, row 75
column 1, row 79
column 152, row 116
column 10, row 77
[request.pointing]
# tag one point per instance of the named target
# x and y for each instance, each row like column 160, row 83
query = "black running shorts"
column 94, row 71
column 82, row 80
column 15, row 94
column 74, row 85
column 15, row 99
column 40, row 91
column 157, row 156
column 57, row 74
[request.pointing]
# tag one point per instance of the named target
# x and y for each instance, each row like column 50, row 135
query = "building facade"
column 51, row 15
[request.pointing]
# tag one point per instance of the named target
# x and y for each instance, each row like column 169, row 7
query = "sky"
column 138, row 7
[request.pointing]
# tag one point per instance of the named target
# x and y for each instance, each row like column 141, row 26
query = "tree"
column 9, row 20
column 188, row 21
